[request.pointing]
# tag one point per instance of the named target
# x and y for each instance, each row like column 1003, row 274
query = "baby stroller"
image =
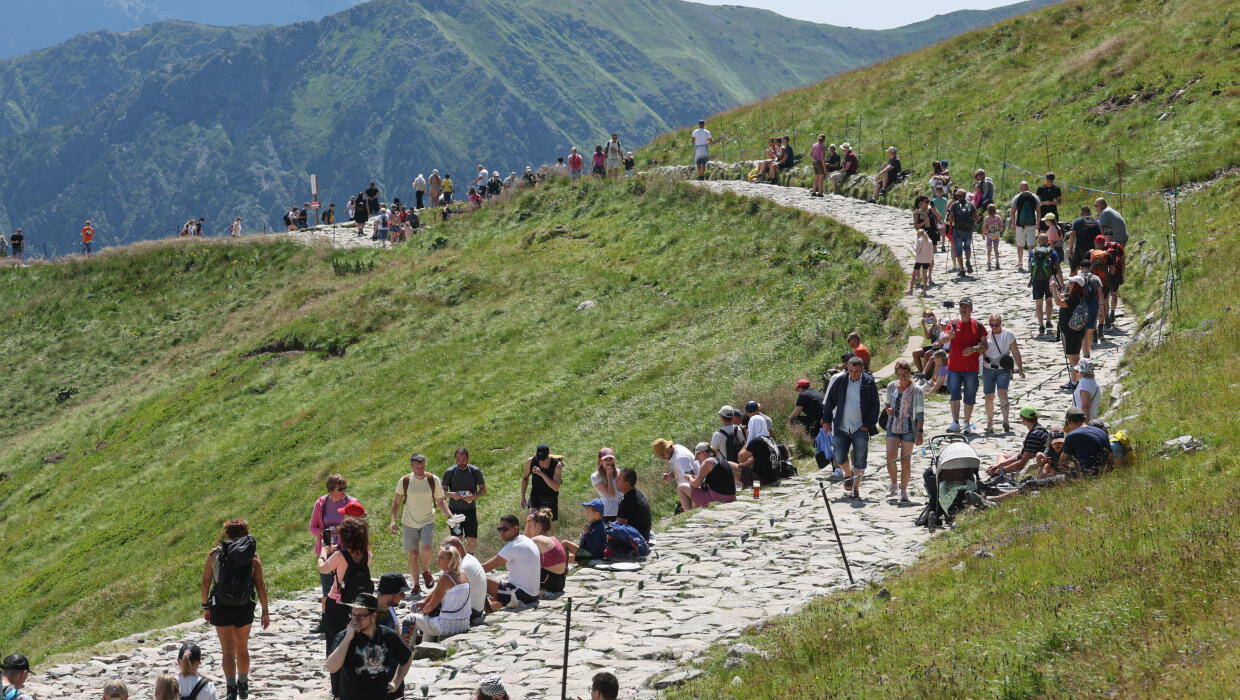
column 951, row 479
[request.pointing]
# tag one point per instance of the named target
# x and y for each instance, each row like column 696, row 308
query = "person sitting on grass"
column 551, row 552
column 593, row 536
column 713, row 483
column 1036, row 440
column 681, row 468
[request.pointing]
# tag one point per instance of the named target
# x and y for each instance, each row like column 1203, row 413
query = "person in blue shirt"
column 1088, row 446
column 593, row 536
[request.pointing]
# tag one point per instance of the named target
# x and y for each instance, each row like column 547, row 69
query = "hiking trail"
column 714, row 573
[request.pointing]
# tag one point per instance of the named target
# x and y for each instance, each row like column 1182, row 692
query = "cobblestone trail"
column 716, row 572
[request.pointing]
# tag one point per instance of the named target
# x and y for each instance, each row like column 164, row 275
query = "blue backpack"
column 624, row 540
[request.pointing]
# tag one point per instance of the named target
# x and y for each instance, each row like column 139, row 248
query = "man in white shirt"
column 701, row 148
column 520, row 556
column 682, row 467
column 419, row 191
column 477, row 577
column 997, row 372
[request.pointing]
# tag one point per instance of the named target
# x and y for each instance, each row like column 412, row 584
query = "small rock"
column 676, row 678
column 741, row 649
column 430, row 651
column 587, row 304
column 883, row 594
column 1163, row 116
column 983, row 554
column 736, row 681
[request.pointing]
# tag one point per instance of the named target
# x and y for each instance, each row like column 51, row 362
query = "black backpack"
column 732, row 444
column 193, row 693
column 356, row 579
column 786, row 470
column 234, row 582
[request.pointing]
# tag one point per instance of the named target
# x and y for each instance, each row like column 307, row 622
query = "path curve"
column 717, row 572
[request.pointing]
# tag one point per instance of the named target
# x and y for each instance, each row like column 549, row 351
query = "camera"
column 949, row 304
column 328, row 536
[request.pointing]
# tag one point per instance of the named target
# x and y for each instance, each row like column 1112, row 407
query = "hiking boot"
column 1041, row 330
column 232, row 693
column 1007, row 427
column 904, row 497
column 427, row 579
column 243, row 690
column 969, row 267
column 318, row 627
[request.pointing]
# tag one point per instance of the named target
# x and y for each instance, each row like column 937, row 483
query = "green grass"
column 215, row 381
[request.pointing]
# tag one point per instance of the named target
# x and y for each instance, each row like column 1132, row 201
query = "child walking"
column 923, row 263
column 992, row 231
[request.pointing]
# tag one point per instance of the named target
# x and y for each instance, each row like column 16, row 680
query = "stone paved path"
column 716, row 573
column 336, row 236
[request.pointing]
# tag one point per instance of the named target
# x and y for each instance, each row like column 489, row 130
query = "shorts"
column 232, row 615
column 574, row 174
column 701, row 155
column 921, row 266
column 1072, row 340
column 962, row 243
column 819, row 168
column 1041, row 288
column 1027, row 236
column 552, row 504
column 553, row 582
column 470, row 526
column 507, row 592
column 598, row 170
column 1114, row 281
column 325, row 582
column 910, row 436
column 992, row 243
column 1092, row 307
column 416, row 537
column 703, row 497
column 995, row 379
column 962, row 385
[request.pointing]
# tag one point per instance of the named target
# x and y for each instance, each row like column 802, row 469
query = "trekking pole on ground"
column 836, row 530
column 568, row 620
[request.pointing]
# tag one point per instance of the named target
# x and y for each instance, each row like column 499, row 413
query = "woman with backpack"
column 190, row 685
column 233, row 575
column 348, row 563
column 325, row 519
column 713, row 484
column 1073, row 318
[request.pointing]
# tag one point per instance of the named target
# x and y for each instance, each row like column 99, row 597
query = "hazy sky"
column 868, row 14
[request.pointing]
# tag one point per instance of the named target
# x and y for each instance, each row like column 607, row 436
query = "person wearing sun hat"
column 681, row 468
column 491, row 688
column 1036, row 441
column 15, row 670
column 1085, row 394
column 371, row 659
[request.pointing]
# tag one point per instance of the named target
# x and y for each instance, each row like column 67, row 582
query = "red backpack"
column 1116, row 253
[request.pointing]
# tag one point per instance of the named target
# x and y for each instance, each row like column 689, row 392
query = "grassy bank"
column 215, row 381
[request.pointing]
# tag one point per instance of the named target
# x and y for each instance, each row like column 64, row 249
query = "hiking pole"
column 568, row 620
column 836, row 530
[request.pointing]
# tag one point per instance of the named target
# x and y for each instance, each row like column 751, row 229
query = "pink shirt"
column 992, row 227
column 924, row 249
column 818, row 151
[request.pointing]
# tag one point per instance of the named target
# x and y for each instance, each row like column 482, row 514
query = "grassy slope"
column 701, row 299
column 1127, row 584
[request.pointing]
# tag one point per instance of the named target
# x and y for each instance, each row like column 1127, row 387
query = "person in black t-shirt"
column 371, row 659
column 1036, row 441
column 808, row 413
column 1088, row 446
column 887, row 176
column 372, row 198
column 1049, row 196
column 463, row 484
column 546, row 471
column 634, row 508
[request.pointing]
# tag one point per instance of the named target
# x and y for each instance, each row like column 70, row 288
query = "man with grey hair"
column 728, row 439
column 850, row 411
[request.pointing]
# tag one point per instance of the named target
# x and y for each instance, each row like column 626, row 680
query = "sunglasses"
column 503, row 528
column 340, row 488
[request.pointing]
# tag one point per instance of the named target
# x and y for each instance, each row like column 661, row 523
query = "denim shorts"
column 910, row 436
column 995, row 378
column 962, row 385
column 961, row 242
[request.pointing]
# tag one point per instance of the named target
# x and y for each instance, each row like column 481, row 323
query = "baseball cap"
column 1050, row 176
column 391, row 582
column 802, row 383
column 353, row 508
column 965, row 300
column 542, row 452
column 606, row 452
column 751, row 407
column 1050, row 216
column 367, row 601
column 596, row 504
column 16, row 662
column 1057, row 436
column 701, row 447
column 417, row 457
column 1100, row 239
column 727, row 411
column 1029, row 413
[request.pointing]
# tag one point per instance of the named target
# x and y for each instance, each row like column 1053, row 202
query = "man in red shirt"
column 88, row 235
column 968, row 342
column 859, row 349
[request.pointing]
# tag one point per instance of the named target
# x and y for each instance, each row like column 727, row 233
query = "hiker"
column 576, row 164
column 598, row 162
column 88, row 235
column 992, row 233
column 1111, row 222
column 381, row 225
column 17, row 244
column 544, row 474
column 923, row 261
column 634, row 509
column 491, row 688
column 15, row 670
column 936, row 372
column 1036, row 441
column 858, row 348
column 465, row 484
column 520, row 556
column 968, row 342
column 325, row 517
column 350, row 207
column 961, row 215
column 234, row 229
column 1043, row 267
column 115, row 690
column 1048, row 460
column 370, row 660
column 983, row 190
column 477, row 577
column 785, row 160
column 713, row 483
column 850, row 410
column 1054, row 237
column 190, row 685
column 448, row 188
column 906, row 414
column 167, row 688
column 848, row 168
column 1071, row 324
column 681, row 469
column 939, row 203
column 604, row 481
column 613, row 154
column 932, row 331
column 604, row 686
column 701, row 141
column 481, row 175
column 593, row 540
column 329, row 216
column 419, row 192
column 1001, row 357
column 818, row 154
column 926, row 218
column 418, row 494
column 832, row 161
column 349, row 565
column 434, row 188
column 629, row 164
column 495, row 185
column 231, row 577
column 372, row 197
column 361, row 214
column 887, row 176
column 1085, row 393
column 1024, row 219
column 552, row 557
column 1099, row 266
column 1086, row 445
column 445, row 610
column 1049, row 198
column 808, row 413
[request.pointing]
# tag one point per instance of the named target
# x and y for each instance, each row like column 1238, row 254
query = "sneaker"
column 969, row 428
column 1007, row 427
column 243, row 690
column 892, row 488
column 318, row 627
column 232, row 693
column 969, row 266
column 837, row 474
column 904, row 497
column 1041, row 330
column 954, row 427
